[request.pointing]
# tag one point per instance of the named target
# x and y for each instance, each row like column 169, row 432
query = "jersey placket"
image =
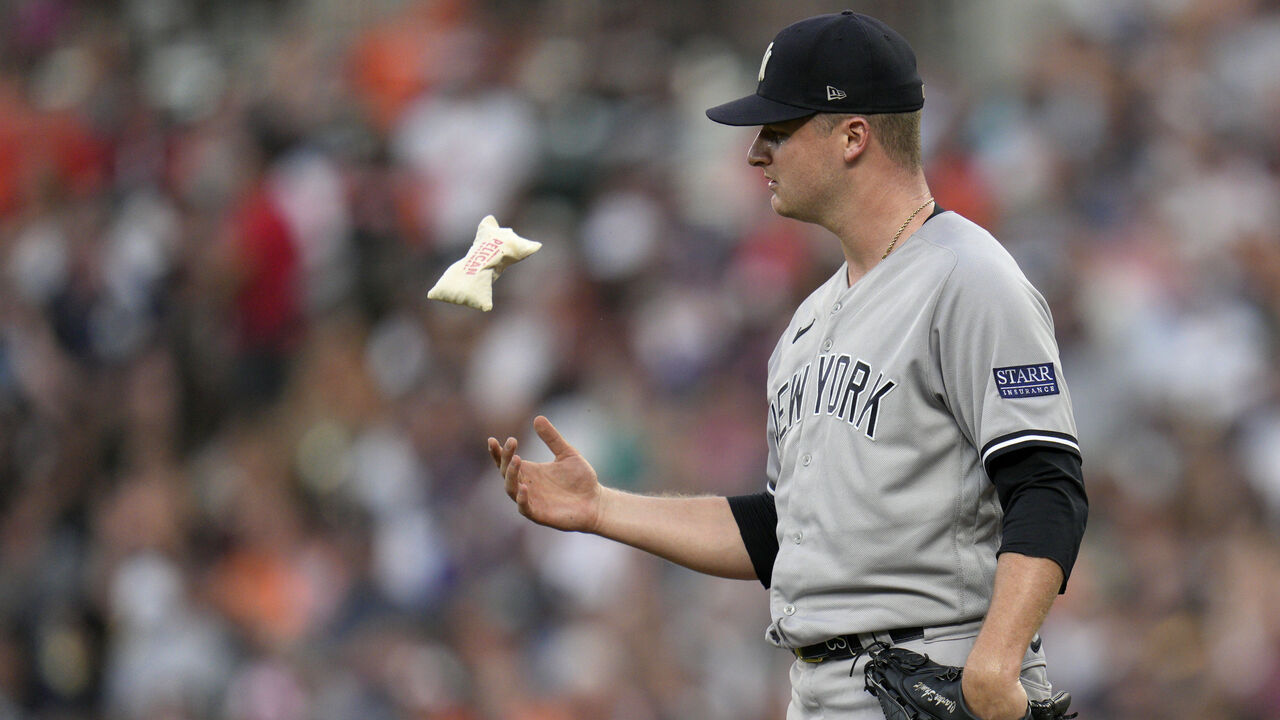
column 801, row 457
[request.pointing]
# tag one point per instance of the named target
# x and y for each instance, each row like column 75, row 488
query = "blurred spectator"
column 263, row 270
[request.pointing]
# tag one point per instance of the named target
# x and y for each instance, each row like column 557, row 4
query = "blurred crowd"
column 242, row 462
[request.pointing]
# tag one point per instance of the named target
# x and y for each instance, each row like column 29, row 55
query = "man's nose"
column 758, row 153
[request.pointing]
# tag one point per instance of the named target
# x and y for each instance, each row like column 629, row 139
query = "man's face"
column 800, row 159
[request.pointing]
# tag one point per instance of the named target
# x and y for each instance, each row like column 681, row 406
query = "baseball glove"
column 910, row 686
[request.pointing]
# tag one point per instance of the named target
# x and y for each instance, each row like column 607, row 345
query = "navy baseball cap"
column 839, row 63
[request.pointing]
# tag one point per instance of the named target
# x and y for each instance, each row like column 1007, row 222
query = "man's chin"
column 782, row 209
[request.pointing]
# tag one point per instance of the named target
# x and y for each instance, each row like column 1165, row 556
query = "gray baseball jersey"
column 886, row 400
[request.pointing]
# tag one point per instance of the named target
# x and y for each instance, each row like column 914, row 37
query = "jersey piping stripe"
column 1029, row 437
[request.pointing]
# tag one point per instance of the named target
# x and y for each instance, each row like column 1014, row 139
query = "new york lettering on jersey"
column 842, row 387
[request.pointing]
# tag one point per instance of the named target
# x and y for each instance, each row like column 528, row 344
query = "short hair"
column 897, row 133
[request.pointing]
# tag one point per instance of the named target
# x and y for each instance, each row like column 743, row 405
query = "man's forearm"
column 1025, row 588
column 699, row 533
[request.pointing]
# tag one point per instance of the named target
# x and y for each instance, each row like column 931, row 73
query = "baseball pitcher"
column 924, row 501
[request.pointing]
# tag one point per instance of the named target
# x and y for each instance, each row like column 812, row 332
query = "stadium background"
column 242, row 467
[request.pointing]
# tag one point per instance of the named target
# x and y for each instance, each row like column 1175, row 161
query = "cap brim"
column 756, row 110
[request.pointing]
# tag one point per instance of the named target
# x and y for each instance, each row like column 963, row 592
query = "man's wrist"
column 990, row 663
column 605, row 497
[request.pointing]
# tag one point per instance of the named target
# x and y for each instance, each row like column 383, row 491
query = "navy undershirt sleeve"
column 1045, row 506
column 757, row 518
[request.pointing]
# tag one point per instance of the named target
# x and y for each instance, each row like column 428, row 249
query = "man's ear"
column 855, row 132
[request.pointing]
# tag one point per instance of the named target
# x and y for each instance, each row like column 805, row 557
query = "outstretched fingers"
column 501, row 454
column 512, row 475
column 518, row 486
column 495, row 452
column 504, row 456
column 511, row 466
column 522, row 499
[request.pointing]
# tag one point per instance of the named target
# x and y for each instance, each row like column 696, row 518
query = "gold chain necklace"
column 904, row 227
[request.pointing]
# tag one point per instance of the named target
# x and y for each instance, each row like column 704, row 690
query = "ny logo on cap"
column 767, row 52
column 835, row 93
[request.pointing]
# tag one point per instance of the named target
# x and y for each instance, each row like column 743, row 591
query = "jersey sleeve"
column 1001, row 373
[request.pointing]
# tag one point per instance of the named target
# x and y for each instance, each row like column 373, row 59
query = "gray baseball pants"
column 825, row 691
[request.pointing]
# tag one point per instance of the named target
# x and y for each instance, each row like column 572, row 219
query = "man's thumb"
column 555, row 442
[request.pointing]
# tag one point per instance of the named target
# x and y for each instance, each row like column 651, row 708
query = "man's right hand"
column 697, row 532
column 564, row 494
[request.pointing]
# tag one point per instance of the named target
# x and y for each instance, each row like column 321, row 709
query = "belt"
column 847, row 646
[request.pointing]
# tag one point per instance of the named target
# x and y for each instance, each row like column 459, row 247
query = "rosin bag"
column 469, row 281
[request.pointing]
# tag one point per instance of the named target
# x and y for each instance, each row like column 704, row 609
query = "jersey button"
column 806, row 460
column 789, row 610
column 827, row 344
column 836, row 308
column 798, row 537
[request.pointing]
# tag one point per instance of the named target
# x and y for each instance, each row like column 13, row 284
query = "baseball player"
column 924, row 479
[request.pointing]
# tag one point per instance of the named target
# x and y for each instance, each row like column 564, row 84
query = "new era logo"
column 1023, row 381
column 835, row 93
